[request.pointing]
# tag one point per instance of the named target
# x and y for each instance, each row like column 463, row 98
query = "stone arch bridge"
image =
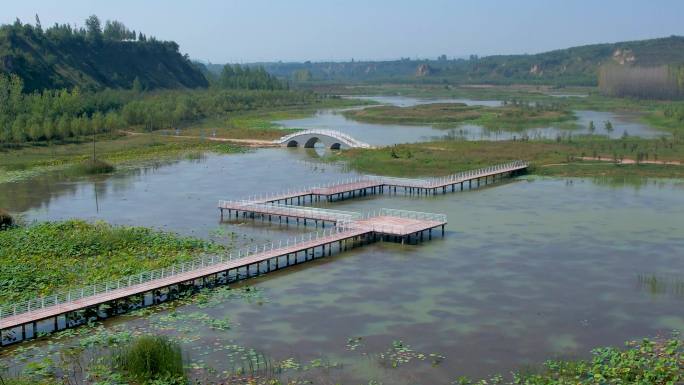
column 331, row 139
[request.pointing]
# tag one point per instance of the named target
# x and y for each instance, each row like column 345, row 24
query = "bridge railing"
column 387, row 228
column 418, row 215
column 289, row 210
column 453, row 178
column 470, row 174
column 72, row 295
column 387, row 180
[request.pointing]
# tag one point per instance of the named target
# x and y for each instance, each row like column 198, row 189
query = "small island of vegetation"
column 510, row 116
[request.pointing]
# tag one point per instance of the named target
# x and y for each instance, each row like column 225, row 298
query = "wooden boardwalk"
column 29, row 319
column 68, row 310
column 177, row 277
column 371, row 185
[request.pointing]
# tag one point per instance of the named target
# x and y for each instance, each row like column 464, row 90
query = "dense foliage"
column 246, row 78
column 45, row 257
column 63, row 114
column 91, row 58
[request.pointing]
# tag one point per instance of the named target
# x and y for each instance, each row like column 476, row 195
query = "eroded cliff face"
column 624, row 56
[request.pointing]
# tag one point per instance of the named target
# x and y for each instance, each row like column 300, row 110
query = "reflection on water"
column 384, row 134
column 530, row 269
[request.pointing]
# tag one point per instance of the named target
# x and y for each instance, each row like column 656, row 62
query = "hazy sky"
column 296, row 30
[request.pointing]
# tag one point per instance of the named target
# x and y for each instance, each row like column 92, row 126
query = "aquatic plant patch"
column 43, row 258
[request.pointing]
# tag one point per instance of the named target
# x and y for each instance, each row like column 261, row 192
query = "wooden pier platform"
column 76, row 307
column 30, row 319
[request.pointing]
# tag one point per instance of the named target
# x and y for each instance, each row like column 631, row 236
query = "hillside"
column 62, row 57
column 570, row 66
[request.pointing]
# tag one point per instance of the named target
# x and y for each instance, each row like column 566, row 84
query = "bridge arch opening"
column 311, row 143
column 335, row 146
column 292, row 143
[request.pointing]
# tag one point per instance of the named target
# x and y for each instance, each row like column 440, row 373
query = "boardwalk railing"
column 290, row 210
column 470, row 174
column 412, row 215
column 376, row 180
column 147, row 276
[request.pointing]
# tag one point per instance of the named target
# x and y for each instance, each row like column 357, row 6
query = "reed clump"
column 93, row 167
column 152, row 358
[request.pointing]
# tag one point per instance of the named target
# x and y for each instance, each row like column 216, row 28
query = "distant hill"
column 93, row 58
column 570, row 66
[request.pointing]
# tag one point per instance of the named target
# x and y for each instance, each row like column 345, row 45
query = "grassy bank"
column 46, row 257
column 28, row 161
column 552, row 158
column 511, row 117
column 24, row 161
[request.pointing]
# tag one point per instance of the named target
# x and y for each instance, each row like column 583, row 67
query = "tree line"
column 63, row 114
column 92, row 30
column 237, row 77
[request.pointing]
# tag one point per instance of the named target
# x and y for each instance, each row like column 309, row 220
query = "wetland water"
column 529, row 270
column 383, row 134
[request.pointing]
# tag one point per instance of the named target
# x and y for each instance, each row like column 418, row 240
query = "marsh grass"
column 661, row 284
column 150, row 358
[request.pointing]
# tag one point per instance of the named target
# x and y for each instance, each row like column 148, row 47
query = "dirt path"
column 246, row 142
column 623, row 161
column 632, row 161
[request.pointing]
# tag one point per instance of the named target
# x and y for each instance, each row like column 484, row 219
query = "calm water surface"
column 383, row 134
column 528, row 270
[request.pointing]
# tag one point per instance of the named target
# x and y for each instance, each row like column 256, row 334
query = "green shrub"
column 151, row 358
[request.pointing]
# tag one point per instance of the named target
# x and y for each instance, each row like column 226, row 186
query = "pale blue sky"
column 298, row 30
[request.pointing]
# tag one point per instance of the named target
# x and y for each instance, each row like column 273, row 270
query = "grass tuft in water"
column 93, row 167
column 152, row 358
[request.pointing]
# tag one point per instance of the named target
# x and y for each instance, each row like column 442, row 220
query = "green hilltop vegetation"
column 563, row 67
column 62, row 84
column 93, row 58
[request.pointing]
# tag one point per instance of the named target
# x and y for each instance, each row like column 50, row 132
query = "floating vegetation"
column 353, row 343
column 400, row 354
column 641, row 362
column 194, row 318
